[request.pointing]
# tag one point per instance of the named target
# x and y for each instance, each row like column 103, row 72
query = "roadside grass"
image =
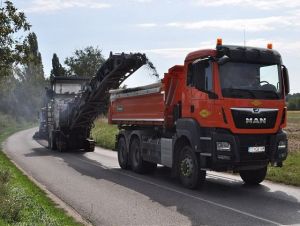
column 289, row 173
column 21, row 201
column 105, row 135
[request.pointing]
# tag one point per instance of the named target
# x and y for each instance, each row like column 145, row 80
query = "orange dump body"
column 148, row 105
column 129, row 106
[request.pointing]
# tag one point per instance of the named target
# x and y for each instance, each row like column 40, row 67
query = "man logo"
column 255, row 110
column 256, row 120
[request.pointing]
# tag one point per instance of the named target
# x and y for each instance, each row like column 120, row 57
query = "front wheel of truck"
column 253, row 177
column 190, row 174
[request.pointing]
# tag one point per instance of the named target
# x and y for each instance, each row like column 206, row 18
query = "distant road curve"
column 95, row 186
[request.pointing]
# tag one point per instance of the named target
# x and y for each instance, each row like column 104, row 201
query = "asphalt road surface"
column 95, row 186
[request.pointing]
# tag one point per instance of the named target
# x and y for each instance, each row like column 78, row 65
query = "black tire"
column 137, row 163
column 61, row 143
column 90, row 149
column 123, row 157
column 52, row 141
column 89, row 146
column 190, row 174
column 253, row 177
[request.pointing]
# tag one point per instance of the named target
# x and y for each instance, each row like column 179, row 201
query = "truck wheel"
column 253, row 177
column 61, row 143
column 89, row 145
column 90, row 148
column 137, row 163
column 190, row 174
column 122, row 153
column 51, row 141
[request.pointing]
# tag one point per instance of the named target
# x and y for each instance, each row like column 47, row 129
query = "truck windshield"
column 65, row 88
column 251, row 81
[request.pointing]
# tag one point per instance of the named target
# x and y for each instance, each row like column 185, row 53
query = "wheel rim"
column 135, row 153
column 187, row 166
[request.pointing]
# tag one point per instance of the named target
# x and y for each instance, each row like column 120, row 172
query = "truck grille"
column 254, row 118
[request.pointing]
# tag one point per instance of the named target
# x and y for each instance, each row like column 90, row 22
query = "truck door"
column 201, row 89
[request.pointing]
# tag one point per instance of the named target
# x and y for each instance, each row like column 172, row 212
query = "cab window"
column 200, row 75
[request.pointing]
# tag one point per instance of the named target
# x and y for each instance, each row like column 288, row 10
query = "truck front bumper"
column 242, row 152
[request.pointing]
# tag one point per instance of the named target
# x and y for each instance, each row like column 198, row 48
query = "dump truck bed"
column 138, row 106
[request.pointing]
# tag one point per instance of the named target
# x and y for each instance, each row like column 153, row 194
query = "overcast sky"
column 165, row 30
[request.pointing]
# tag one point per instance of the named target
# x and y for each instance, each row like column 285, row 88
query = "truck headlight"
column 282, row 144
column 223, row 146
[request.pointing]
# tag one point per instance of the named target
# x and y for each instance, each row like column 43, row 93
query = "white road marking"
column 186, row 194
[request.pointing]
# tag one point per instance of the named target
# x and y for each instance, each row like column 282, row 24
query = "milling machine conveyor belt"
column 91, row 102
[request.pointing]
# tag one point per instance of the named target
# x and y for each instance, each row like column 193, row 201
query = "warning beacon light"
column 219, row 41
column 270, row 46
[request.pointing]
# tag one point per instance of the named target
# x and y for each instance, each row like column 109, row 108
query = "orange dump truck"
column 223, row 109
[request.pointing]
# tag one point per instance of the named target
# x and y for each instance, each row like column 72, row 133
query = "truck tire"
column 52, row 141
column 253, row 177
column 190, row 174
column 90, row 149
column 123, row 153
column 137, row 163
column 61, row 143
column 89, row 145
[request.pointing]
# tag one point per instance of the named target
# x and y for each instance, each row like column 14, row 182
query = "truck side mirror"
column 286, row 82
column 223, row 60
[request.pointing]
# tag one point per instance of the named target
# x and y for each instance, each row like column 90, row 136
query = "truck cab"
column 234, row 97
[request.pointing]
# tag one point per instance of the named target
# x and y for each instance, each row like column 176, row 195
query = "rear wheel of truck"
column 190, row 174
column 51, row 141
column 253, row 177
column 137, row 163
column 123, row 153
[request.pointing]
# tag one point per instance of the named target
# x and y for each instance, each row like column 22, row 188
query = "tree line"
column 293, row 101
column 22, row 76
column 84, row 62
column 21, row 68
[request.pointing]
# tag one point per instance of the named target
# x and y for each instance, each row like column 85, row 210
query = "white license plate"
column 256, row 149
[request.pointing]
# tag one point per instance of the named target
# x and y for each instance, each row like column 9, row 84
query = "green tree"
column 32, row 60
column 297, row 102
column 292, row 105
column 32, row 86
column 57, row 68
column 23, row 91
column 85, row 62
column 293, row 101
column 12, row 23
